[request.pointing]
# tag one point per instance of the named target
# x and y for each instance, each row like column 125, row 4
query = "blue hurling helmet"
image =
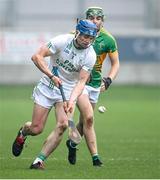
column 87, row 27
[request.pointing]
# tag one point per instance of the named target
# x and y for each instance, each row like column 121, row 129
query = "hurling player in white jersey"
column 74, row 57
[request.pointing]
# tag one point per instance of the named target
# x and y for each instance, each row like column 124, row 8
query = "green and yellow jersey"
column 103, row 44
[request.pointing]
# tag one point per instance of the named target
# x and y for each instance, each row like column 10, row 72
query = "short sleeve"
column 113, row 46
column 56, row 43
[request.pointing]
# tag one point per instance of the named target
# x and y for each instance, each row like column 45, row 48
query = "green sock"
column 95, row 157
column 42, row 156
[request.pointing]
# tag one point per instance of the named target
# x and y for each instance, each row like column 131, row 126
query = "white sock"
column 37, row 160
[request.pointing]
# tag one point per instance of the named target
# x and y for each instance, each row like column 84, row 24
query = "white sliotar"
column 101, row 109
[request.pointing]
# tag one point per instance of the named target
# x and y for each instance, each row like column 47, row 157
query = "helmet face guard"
column 87, row 28
column 95, row 11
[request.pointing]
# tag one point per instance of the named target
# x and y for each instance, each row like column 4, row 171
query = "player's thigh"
column 39, row 115
column 84, row 106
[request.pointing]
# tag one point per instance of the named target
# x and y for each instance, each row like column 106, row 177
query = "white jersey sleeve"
column 56, row 44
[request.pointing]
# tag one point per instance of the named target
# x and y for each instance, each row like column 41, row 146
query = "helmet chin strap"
column 77, row 34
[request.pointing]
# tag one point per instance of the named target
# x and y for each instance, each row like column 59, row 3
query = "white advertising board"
column 17, row 48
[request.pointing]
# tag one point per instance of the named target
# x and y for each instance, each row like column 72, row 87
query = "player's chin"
column 84, row 46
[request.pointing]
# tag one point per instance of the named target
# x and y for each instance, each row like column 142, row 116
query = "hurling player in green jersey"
column 104, row 45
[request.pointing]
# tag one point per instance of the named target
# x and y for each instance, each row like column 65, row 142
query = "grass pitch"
column 128, row 136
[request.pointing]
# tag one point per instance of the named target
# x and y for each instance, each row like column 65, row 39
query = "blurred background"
column 128, row 134
column 27, row 24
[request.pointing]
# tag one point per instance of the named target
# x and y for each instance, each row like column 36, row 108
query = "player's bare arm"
column 83, row 77
column 38, row 59
column 114, row 59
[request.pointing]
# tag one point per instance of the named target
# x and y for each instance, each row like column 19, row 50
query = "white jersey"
column 69, row 60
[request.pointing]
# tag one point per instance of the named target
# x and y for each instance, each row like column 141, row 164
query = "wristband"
column 107, row 82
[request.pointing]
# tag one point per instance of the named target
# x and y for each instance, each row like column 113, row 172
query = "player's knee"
column 38, row 129
column 89, row 121
column 62, row 125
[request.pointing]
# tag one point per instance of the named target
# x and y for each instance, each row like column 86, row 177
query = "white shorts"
column 93, row 93
column 47, row 97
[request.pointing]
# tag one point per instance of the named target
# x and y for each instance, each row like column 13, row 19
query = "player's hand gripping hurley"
column 73, row 132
